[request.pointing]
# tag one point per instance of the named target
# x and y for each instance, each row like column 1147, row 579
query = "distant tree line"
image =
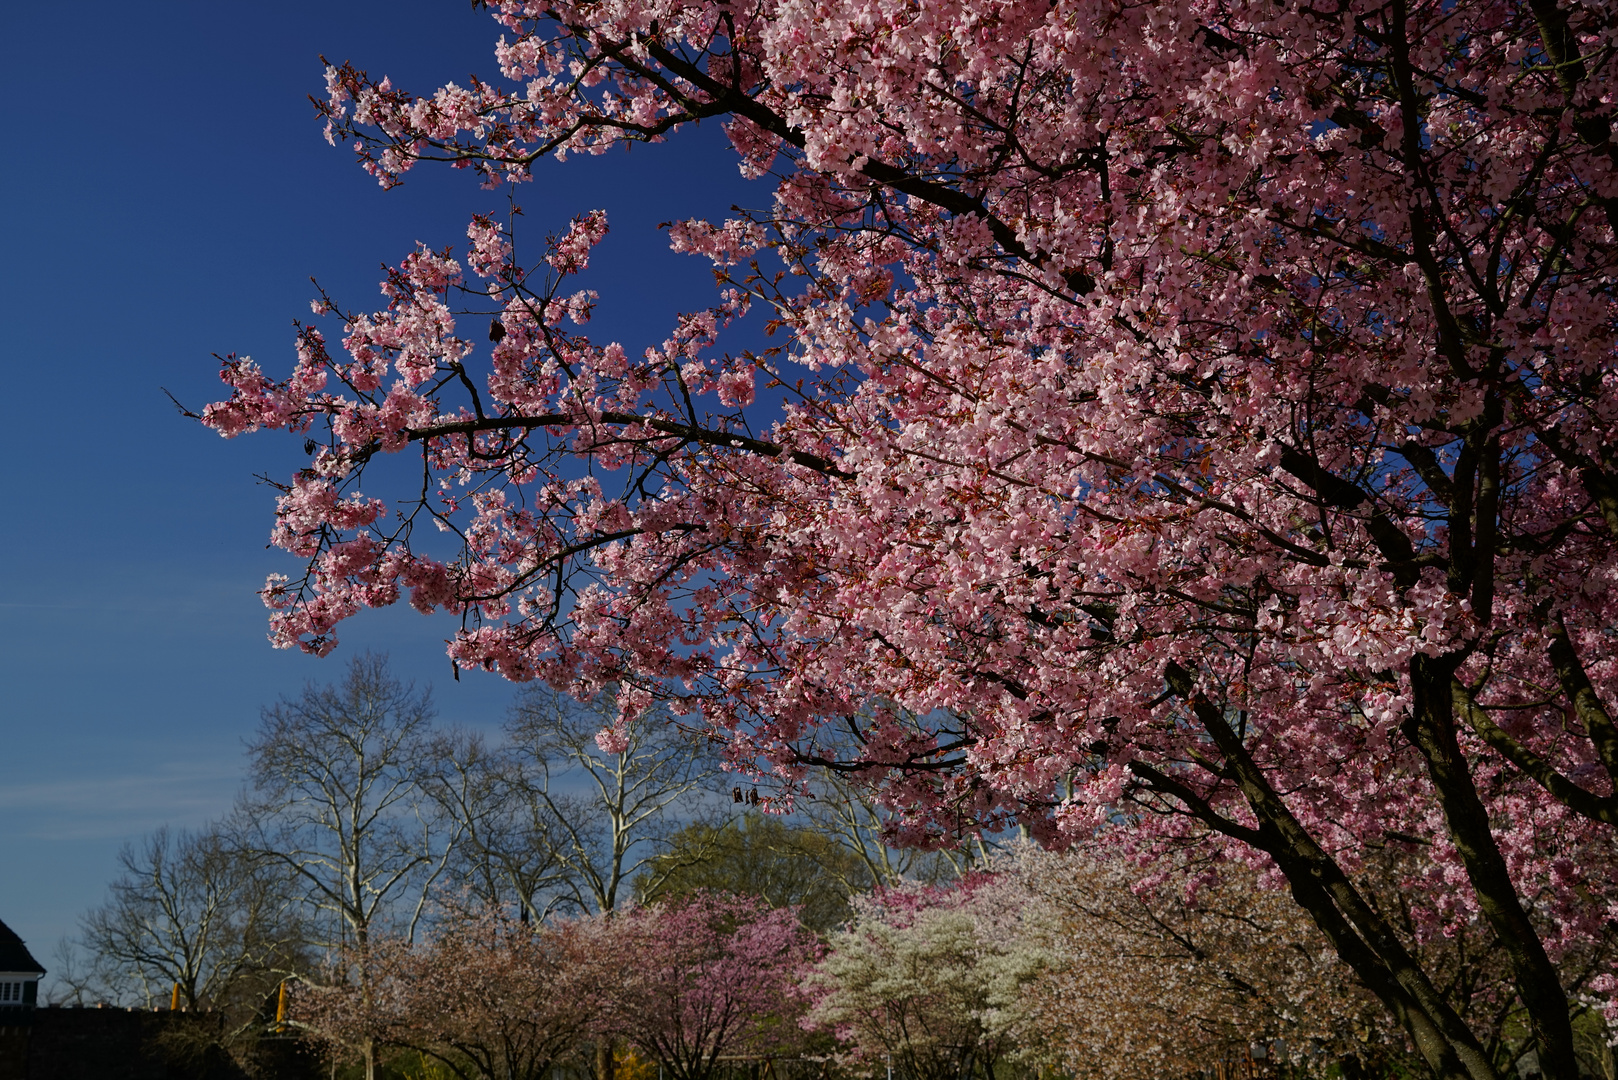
column 361, row 819
column 423, row 902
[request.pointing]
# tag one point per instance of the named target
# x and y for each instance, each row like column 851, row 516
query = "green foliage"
column 759, row 855
column 1593, row 1043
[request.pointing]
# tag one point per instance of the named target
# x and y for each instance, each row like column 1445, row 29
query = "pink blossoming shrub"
column 698, row 980
column 487, row 996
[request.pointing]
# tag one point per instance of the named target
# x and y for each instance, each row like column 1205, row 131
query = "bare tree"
column 602, row 815
column 338, row 801
column 841, row 807
column 551, row 820
column 191, row 919
column 190, row 910
column 848, row 813
column 505, row 857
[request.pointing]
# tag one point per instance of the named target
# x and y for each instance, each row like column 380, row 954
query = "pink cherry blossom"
column 1197, row 420
column 698, row 980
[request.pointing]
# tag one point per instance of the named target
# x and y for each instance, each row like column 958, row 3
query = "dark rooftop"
column 14, row 955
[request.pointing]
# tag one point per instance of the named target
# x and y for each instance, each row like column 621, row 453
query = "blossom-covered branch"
column 1193, row 414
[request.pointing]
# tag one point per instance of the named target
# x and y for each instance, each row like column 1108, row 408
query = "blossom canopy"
column 1195, row 415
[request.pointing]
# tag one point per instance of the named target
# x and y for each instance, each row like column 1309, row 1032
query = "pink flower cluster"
column 689, row 983
column 1192, row 419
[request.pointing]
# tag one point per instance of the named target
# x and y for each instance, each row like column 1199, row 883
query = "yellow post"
column 174, row 999
column 281, row 1007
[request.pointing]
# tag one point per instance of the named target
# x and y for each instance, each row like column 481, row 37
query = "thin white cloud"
column 103, row 806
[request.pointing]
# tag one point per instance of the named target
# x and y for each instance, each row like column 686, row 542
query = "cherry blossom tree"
column 488, row 997
column 841, row 806
column 704, row 978
column 1170, row 969
column 933, row 981
column 1193, row 417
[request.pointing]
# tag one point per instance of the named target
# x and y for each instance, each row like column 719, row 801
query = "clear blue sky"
column 167, row 195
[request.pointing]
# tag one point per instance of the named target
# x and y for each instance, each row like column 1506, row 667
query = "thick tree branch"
column 1587, row 705
column 1430, row 727
column 1448, row 1045
column 1575, row 798
column 688, row 432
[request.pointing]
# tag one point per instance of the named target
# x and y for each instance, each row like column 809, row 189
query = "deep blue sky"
column 167, row 195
